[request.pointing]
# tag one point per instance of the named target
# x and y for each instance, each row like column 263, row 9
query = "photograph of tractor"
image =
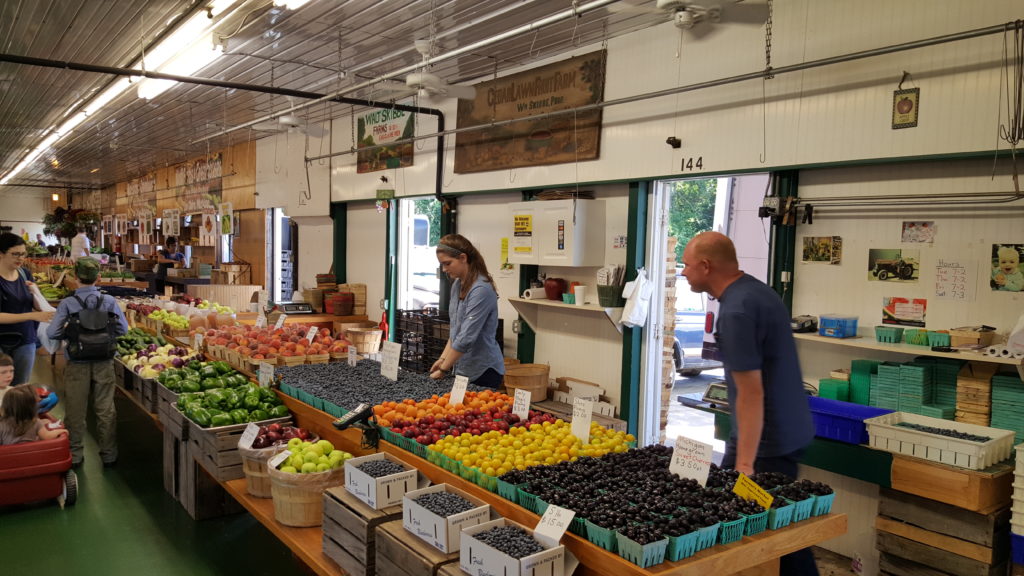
column 893, row 264
column 885, row 269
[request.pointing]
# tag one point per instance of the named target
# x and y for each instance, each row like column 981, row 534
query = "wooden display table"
column 318, row 320
column 752, row 555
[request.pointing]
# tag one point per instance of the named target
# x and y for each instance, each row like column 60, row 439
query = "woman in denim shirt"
column 472, row 349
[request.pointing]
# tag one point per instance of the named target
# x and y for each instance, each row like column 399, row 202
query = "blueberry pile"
column 348, row 386
column 444, row 504
column 945, row 432
column 511, row 540
column 380, row 468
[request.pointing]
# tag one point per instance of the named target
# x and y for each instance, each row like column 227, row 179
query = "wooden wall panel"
column 240, row 186
column 250, row 244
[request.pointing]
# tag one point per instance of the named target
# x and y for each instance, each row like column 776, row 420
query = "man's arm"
column 749, row 410
column 55, row 331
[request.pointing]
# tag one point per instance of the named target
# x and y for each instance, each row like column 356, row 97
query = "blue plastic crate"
column 643, row 555
column 756, row 523
column 842, row 421
column 823, row 504
column 680, row 547
column 780, row 517
column 603, row 537
column 1017, row 548
column 707, row 536
column 731, row 531
column 837, row 326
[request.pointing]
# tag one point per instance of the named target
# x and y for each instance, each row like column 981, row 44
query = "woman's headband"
column 449, row 249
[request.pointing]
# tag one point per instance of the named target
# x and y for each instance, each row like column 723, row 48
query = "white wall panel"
column 316, row 238
column 365, row 251
column 19, row 209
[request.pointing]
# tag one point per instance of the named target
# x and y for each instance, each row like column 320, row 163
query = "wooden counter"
column 318, row 320
column 752, row 555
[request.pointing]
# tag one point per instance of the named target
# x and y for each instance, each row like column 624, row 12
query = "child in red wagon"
column 18, row 420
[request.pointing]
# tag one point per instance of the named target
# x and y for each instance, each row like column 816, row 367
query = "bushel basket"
column 299, row 498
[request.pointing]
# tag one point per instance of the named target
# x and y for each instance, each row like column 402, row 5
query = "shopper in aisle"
column 771, row 420
column 18, row 420
column 472, row 349
column 166, row 257
column 81, row 246
column 82, row 377
column 18, row 312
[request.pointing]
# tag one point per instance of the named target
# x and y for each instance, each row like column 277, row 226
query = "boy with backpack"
column 90, row 323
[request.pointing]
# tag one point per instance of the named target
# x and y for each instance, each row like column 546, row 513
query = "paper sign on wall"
column 227, row 218
column 691, row 459
column 389, row 362
column 521, row 406
column 582, row 413
column 458, row 390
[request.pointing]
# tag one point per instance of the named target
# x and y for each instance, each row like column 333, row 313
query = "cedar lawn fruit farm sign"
column 552, row 140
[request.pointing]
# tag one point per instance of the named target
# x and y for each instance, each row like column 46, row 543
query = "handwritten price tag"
column 353, row 356
column 197, row 341
column 261, row 321
column 749, row 490
column 280, row 321
column 266, row 374
column 389, row 362
column 521, row 406
column 691, row 459
column 262, row 298
column 458, row 390
column 582, row 413
column 251, row 431
column 553, row 525
column 281, row 457
column 311, row 334
column 60, row 279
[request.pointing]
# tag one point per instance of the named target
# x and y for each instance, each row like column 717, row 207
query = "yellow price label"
column 749, row 490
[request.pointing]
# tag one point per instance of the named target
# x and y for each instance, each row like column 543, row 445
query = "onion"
column 151, row 348
column 137, row 368
column 177, row 362
column 142, row 354
column 158, row 367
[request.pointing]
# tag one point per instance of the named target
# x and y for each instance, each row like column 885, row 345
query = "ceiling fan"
column 289, row 123
column 427, row 85
column 700, row 17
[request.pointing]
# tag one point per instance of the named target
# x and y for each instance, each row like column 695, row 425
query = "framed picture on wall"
column 1006, row 272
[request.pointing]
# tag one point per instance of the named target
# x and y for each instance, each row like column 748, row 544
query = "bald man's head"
column 716, row 248
column 709, row 263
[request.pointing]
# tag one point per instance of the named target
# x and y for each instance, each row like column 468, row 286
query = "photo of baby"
column 1006, row 273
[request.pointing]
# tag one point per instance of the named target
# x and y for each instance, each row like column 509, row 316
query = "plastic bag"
column 44, row 306
column 1015, row 342
column 638, row 300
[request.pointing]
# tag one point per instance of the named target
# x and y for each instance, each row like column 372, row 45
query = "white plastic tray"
column 884, row 434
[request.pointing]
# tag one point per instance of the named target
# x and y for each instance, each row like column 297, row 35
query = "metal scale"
column 295, row 307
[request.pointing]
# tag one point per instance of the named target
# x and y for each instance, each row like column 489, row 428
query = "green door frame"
column 632, row 338
column 339, row 214
column 390, row 263
column 783, row 249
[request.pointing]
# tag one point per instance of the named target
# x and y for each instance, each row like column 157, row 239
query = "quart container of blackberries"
column 731, row 531
column 680, row 547
column 380, row 480
column 946, row 441
column 643, row 552
column 437, row 514
column 780, row 514
column 601, row 536
column 508, row 548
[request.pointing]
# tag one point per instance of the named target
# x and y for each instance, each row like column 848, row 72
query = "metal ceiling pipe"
column 989, row 30
column 131, row 72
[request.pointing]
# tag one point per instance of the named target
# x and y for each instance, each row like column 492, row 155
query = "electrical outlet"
column 516, row 326
column 771, row 202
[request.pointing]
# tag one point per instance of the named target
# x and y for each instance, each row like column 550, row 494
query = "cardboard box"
column 440, row 532
column 479, row 559
column 381, row 492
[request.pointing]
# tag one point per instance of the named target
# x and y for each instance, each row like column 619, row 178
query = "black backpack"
column 90, row 333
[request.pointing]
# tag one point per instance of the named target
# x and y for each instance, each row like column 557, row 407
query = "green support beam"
column 390, row 266
column 339, row 213
column 783, row 249
column 632, row 343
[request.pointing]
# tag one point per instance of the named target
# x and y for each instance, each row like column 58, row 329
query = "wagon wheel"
column 883, row 274
column 69, row 495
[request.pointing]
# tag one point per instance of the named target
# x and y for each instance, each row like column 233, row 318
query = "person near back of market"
column 83, row 377
column 166, row 257
column 80, row 244
column 770, row 416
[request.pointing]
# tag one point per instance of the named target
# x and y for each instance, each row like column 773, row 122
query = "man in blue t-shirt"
column 771, row 420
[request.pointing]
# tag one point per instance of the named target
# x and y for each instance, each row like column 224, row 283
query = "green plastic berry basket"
column 508, row 491
column 731, row 531
column 938, row 338
column 707, row 536
column 823, row 504
column 526, row 500
column 467, row 473
column 578, row 526
column 333, row 409
column 389, row 436
column 780, row 517
column 916, row 337
column 888, row 334
column 802, row 509
column 643, row 555
column 603, row 537
column 539, row 507
column 756, row 523
column 489, row 483
column 680, row 547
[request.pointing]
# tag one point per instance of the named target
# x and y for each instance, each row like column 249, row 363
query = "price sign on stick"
column 266, row 374
column 353, row 356
column 389, row 363
column 280, row 321
column 458, row 390
column 281, row 457
column 749, row 490
column 261, row 320
column 197, row 340
column 553, row 525
column 311, row 334
column 582, row 413
column 691, row 459
column 521, row 406
column 251, row 431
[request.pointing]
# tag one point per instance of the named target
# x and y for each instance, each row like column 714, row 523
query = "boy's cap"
column 87, row 269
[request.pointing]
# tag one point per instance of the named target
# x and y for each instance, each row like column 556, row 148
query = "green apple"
column 294, row 444
column 325, row 446
column 323, row 467
column 323, row 460
column 289, row 469
column 309, row 457
column 296, row 461
column 308, row 468
column 315, row 449
column 336, row 456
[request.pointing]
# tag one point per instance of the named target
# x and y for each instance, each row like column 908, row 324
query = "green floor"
column 125, row 523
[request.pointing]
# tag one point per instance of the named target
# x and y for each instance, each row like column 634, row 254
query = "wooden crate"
column 350, row 530
column 172, row 418
column 400, row 553
column 201, row 495
column 216, row 449
column 149, row 395
column 359, row 297
column 977, row 490
column 175, row 450
column 450, row 570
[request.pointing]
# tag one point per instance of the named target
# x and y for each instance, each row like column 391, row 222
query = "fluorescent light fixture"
column 197, row 56
column 55, row 197
column 290, row 4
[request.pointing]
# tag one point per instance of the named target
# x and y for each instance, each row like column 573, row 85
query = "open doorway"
column 675, row 362
column 419, row 229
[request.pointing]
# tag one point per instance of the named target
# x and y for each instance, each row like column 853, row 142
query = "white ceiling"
column 324, row 46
